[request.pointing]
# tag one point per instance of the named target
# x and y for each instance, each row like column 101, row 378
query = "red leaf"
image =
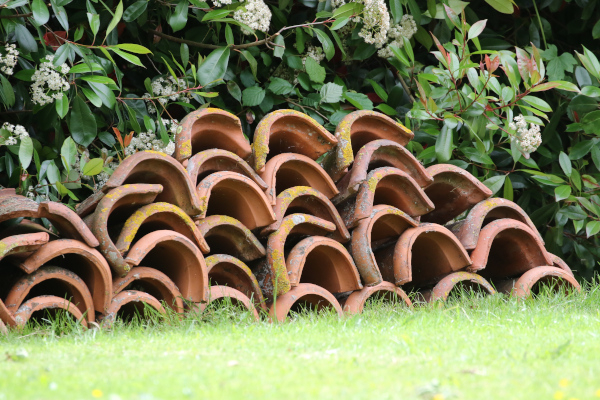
column 128, row 138
column 55, row 39
column 439, row 46
column 118, row 135
column 374, row 98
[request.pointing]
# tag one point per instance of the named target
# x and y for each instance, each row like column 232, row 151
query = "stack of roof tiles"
column 299, row 218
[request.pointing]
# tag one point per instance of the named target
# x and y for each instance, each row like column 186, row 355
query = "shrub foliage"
column 509, row 91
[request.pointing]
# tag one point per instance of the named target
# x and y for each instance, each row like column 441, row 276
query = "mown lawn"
column 471, row 348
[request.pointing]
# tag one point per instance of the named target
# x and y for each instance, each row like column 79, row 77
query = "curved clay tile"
column 225, row 270
column 559, row 263
column 484, row 212
column 79, row 258
column 153, row 167
column 88, row 206
column 385, row 223
column 377, row 154
column 210, row 128
column 305, row 294
column 289, row 131
column 128, row 303
column 227, row 235
column 306, row 200
column 123, row 201
column 225, row 292
column 507, row 248
column 389, row 186
column 355, row 303
column 159, row 216
column 422, row 255
column 271, row 272
column 153, row 282
column 527, row 283
column 5, row 192
column 455, row 281
column 323, row 262
column 55, row 281
column 235, row 195
column 453, row 191
column 217, row 160
column 25, row 243
column 40, row 303
column 16, row 207
column 68, row 224
column 358, row 129
column 177, row 257
column 287, row 170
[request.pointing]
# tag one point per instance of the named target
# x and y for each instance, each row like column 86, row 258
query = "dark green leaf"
column 82, row 123
column 25, row 151
column 396, row 10
column 314, row 70
column 331, row 93
column 135, row 10
column 562, row 192
column 593, row 227
column 327, row 44
column 279, row 46
column 25, row 39
column 495, row 183
column 280, row 86
column 359, row 100
column 581, row 149
column 444, row 145
column 40, row 12
column 68, row 153
column 7, row 93
column 116, row 18
column 215, row 14
column 565, row 163
column 179, row 16
column 234, row 90
column 253, row 96
column 214, row 66
column 62, row 105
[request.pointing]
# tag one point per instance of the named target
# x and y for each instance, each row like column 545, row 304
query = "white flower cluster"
column 34, row 192
column 9, row 60
column 150, row 141
column 256, row 14
column 376, row 22
column 314, row 52
column 166, row 87
column 16, row 132
column 221, row 3
column 49, row 82
column 528, row 140
column 405, row 29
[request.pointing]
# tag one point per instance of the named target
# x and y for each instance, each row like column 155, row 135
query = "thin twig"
column 16, row 16
column 267, row 40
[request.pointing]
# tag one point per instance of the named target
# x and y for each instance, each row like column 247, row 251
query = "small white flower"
column 48, row 82
column 405, row 29
column 9, row 60
column 254, row 13
column 528, row 140
column 376, row 22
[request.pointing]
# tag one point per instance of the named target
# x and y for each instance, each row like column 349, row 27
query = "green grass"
column 470, row 348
